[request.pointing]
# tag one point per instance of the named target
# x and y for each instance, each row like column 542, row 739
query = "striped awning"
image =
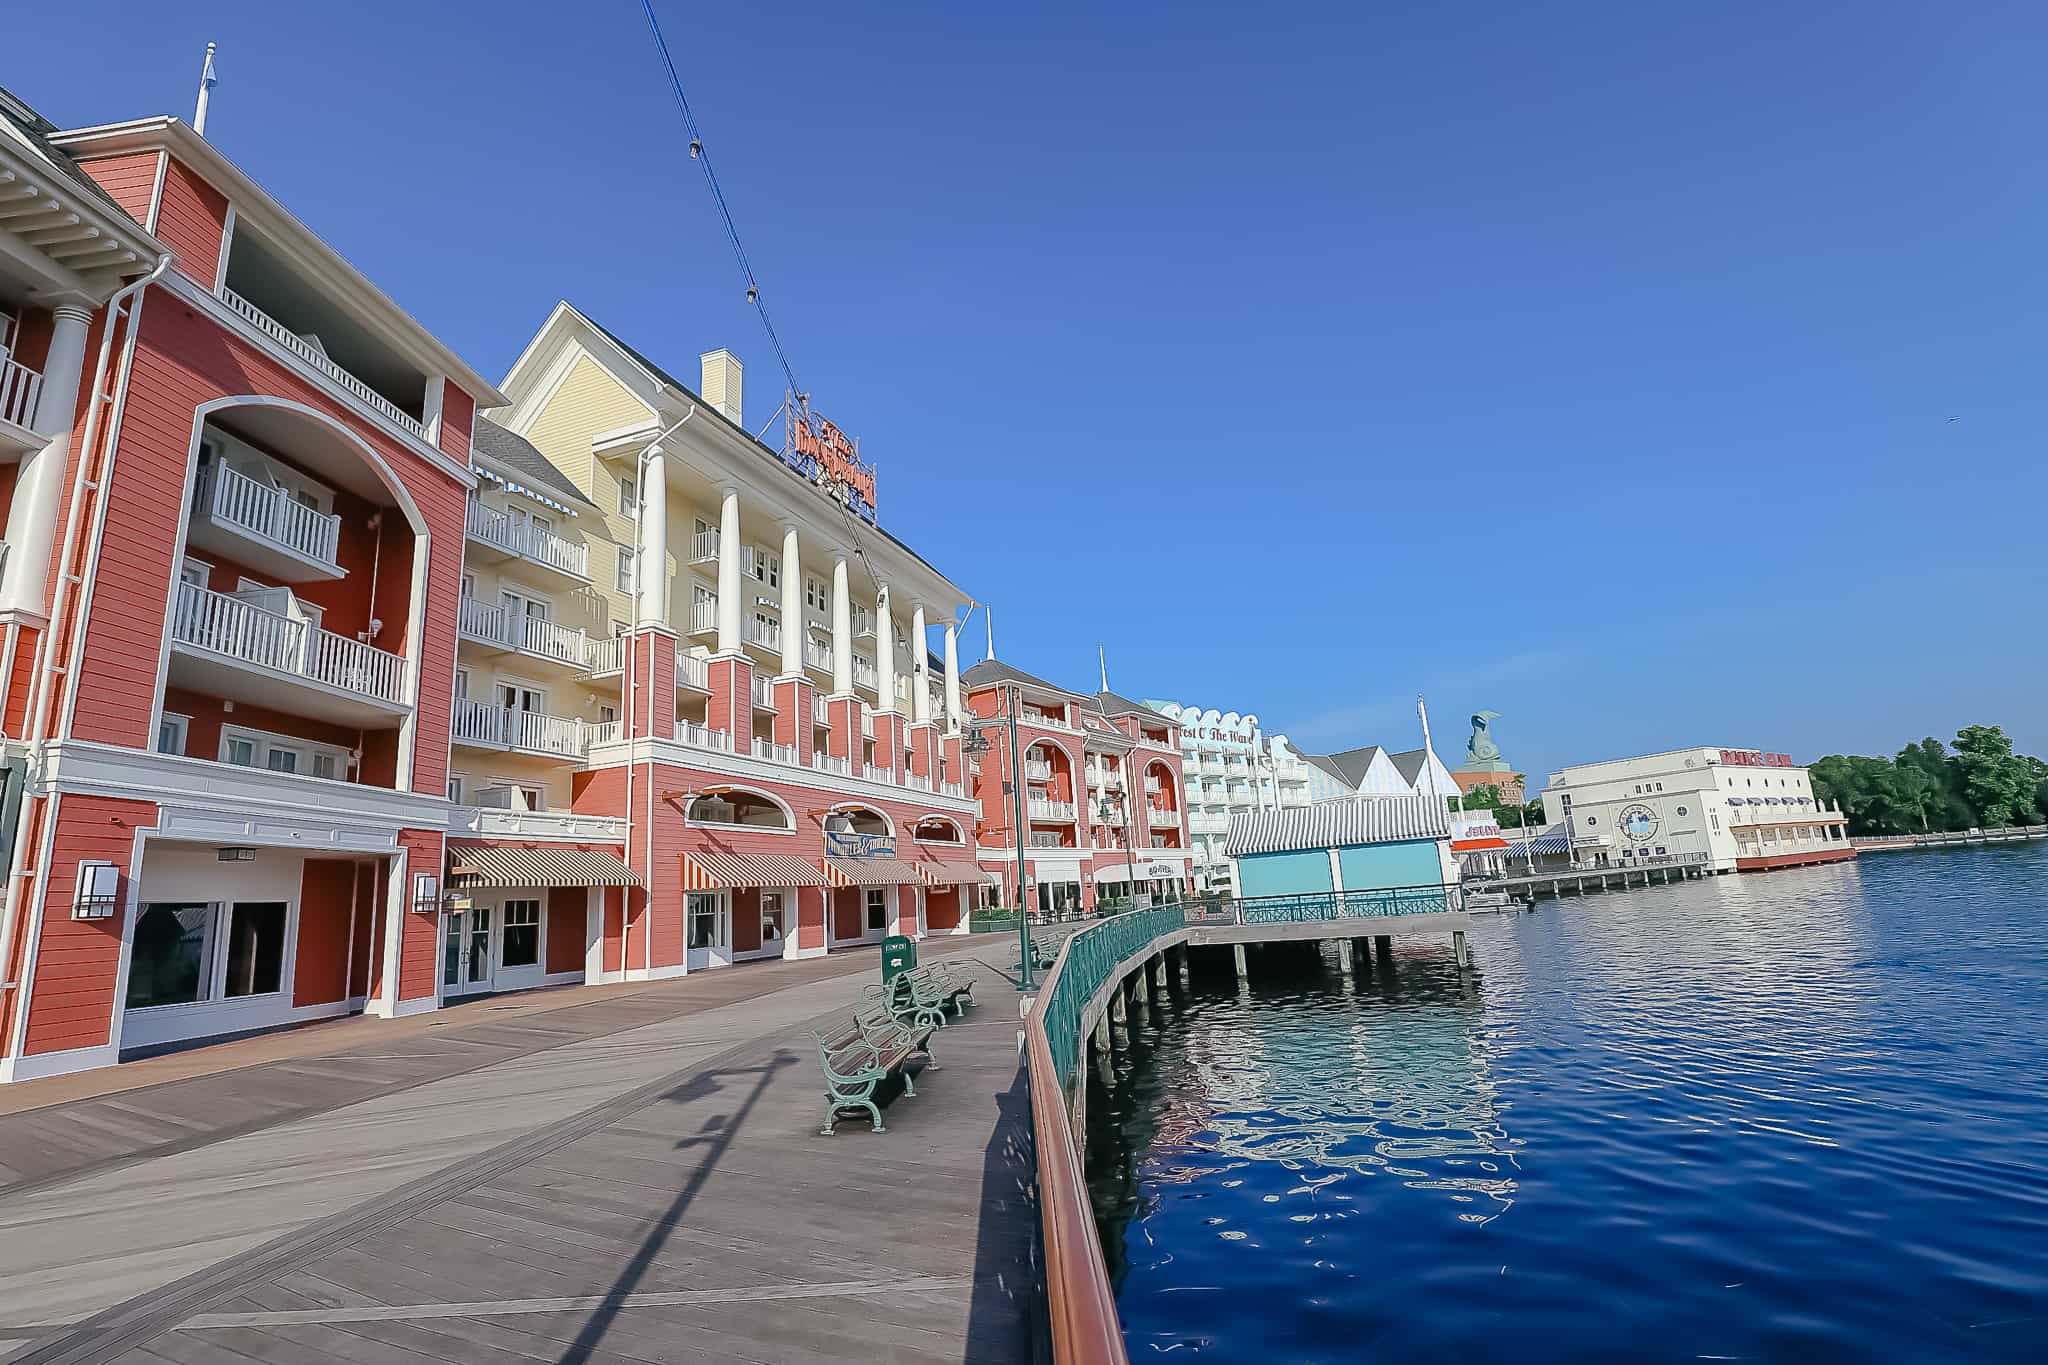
column 1337, row 824
column 872, row 872
column 954, row 874
column 502, row 865
column 713, row 871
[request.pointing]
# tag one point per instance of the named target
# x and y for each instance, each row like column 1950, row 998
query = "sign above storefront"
column 1756, row 758
column 828, row 457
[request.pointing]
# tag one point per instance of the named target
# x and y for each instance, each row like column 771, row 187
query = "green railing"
column 1092, row 956
column 1332, row 905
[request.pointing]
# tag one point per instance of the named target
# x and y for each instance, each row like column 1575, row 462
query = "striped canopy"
column 502, row 865
column 1338, row 824
column 713, row 871
column 871, row 872
column 954, row 874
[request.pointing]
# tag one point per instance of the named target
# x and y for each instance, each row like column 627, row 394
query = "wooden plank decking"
column 689, row 1212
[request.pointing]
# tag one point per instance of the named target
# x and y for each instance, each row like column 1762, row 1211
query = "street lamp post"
column 1103, row 812
column 975, row 742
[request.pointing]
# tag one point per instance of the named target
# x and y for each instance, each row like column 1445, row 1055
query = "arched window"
column 864, row 820
column 738, row 806
column 938, row 829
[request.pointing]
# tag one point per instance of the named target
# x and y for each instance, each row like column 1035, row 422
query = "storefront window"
column 878, row 909
column 172, row 956
column 522, row 933
column 255, row 949
column 707, row 921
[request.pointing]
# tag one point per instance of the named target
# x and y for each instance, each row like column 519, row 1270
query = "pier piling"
column 1458, row 945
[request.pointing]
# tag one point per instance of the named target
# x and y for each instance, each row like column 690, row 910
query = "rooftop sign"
column 1754, row 758
column 828, row 457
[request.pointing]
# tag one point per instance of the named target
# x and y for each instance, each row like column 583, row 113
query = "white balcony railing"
column 1037, row 770
column 817, row 654
column 864, row 673
column 952, row 789
column 605, row 657
column 478, row 722
column 267, row 512
column 863, row 623
column 1154, row 786
column 762, row 631
column 764, row 693
column 314, row 356
column 818, row 714
column 1062, row 811
column 1046, row 719
column 519, row 536
column 875, row 773
column 1109, row 779
column 775, row 753
column 704, row 547
column 826, row 763
column 701, row 736
column 704, row 614
column 237, row 629
column 533, row 635
column 19, row 386
column 1162, row 819
column 1043, row 840
column 693, row 671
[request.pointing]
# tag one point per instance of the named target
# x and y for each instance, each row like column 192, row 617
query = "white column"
column 792, row 605
column 38, row 506
column 842, row 630
column 653, row 562
column 885, row 650
column 729, row 603
column 920, row 668
column 952, row 676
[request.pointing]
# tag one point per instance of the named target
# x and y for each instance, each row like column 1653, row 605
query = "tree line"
column 1930, row 788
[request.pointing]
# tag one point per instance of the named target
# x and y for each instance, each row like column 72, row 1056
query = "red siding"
column 367, row 887
column 849, row 913
column 190, row 219
column 21, row 680
column 72, row 998
column 208, row 714
column 568, row 918
column 419, row 949
column 129, row 179
column 746, row 920
column 458, row 411
column 321, row 974
column 942, row 908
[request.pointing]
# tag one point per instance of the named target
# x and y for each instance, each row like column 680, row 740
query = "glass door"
column 708, row 920
column 466, row 951
column 776, row 939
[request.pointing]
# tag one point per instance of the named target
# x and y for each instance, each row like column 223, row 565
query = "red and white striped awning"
column 502, row 865
column 713, row 871
column 872, row 872
column 954, row 874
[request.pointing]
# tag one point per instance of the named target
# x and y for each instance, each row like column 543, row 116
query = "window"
column 817, row 596
column 255, row 949
column 521, row 946
column 195, row 572
column 281, row 753
column 607, row 715
column 240, row 752
column 536, row 797
column 171, row 732
column 456, row 786
column 764, row 567
column 281, row 760
column 707, row 921
column 629, row 496
column 624, row 581
column 878, row 909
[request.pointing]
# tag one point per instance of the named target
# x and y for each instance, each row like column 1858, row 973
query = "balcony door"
column 526, row 618
column 518, row 701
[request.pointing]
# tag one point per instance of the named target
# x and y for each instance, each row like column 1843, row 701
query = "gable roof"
column 1409, row 764
column 519, row 456
column 1353, row 764
column 1110, row 704
column 1337, row 824
column 1324, row 763
column 32, row 129
column 989, row 672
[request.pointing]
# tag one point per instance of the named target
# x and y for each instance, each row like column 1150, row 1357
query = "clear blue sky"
column 1591, row 364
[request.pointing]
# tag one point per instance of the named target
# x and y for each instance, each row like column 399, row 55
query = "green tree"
column 1946, row 809
column 1998, row 785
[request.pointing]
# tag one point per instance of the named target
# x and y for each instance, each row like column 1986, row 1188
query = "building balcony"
column 1037, row 770
column 259, row 524
column 704, row 614
column 1154, row 787
column 1044, row 719
column 863, row 623
column 499, row 536
column 533, row 637
column 864, row 674
column 704, row 547
column 764, row 694
column 1052, row 812
column 1106, row 778
column 819, row 715
column 838, row 767
column 762, row 633
column 480, row 725
column 1043, row 840
column 240, row 647
column 770, row 751
column 1208, row 824
column 314, row 356
column 19, row 388
column 1162, row 819
column 817, row 655
column 702, row 736
column 693, row 672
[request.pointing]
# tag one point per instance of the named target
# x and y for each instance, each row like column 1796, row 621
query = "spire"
column 989, row 618
column 1102, row 659
column 207, row 81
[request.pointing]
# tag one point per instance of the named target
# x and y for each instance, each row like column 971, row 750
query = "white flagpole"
column 206, row 83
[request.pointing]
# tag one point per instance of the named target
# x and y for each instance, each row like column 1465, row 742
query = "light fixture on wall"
column 426, row 894
column 98, row 891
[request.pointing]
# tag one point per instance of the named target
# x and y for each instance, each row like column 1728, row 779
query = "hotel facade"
column 1724, row 810
column 324, row 694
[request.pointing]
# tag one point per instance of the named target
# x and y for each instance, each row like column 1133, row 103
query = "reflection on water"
column 1789, row 1117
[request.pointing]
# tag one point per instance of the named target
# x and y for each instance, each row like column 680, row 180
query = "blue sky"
column 1651, row 374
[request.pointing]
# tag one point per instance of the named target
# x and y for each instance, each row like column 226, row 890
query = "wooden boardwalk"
column 689, row 1212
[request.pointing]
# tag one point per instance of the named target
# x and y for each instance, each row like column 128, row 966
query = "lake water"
column 1800, row 1116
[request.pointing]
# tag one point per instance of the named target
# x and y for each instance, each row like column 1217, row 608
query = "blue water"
column 1800, row 1116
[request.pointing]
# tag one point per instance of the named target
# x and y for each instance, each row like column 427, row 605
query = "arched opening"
column 739, row 806
column 1162, row 805
column 294, row 611
column 938, row 829
column 853, row 818
column 1050, row 787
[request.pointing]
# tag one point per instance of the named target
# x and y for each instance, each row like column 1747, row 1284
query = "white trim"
column 726, row 763
column 45, row 1064
column 156, row 193
column 385, row 1003
column 227, row 241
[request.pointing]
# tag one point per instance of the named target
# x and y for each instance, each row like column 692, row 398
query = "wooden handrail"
column 1080, row 1304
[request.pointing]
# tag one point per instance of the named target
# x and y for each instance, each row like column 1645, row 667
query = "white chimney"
column 721, row 388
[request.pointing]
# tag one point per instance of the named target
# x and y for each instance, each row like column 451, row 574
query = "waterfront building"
column 1104, row 808
column 324, row 694
column 1726, row 810
column 1370, row 843
column 1367, row 771
column 1232, row 766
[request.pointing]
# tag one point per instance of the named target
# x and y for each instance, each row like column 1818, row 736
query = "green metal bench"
column 953, row 984
column 865, row 1051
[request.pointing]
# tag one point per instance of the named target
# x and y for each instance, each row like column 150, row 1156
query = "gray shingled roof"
column 519, row 457
column 1409, row 764
column 1352, row 764
column 1110, row 704
column 35, row 130
column 991, row 671
column 1324, row 762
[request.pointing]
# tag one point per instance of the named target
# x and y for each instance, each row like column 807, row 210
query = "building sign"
column 849, row 844
column 1756, row 758
column 828, row 457
column 1638, row 822
column 1476, row 832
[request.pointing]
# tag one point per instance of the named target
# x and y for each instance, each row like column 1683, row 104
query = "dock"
column 643, row 1183
column 1968, row 838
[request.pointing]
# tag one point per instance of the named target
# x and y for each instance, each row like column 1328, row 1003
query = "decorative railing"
column 775, row 753
column 1162, row 819
column 519, row 536
column 693, row 671
column 1322, row 906
column 1037, row 770
column 701, row 736
column 1081, row 1305
column 764, row 693
column 759, row 631
column 479, row 722
column 606, row 657
column 311, row 355
column 952, row 789
column 817, row 654
column 704, row 547
column 533, row 635
column 863, row 622
column 1051, row 810
column 225, row 625
column 864, row 674
column 1046, row 841
column 506, row 823
column 826, row 763
column 19, row 386
column 265, row 511
column 704, row 613
column 818, row 716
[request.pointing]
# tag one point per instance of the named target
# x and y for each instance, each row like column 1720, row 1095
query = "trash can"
column 899, row 955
